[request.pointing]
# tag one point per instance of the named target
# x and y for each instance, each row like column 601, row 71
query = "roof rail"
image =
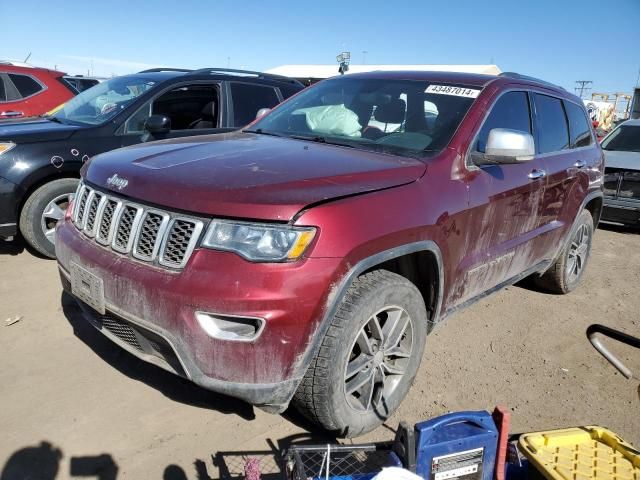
column 163, row 69
column 531, row 79
column 233, row 71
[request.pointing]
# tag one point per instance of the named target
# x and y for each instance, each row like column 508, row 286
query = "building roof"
column 326, row 71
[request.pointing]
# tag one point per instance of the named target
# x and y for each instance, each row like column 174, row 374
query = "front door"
column 504, row 211
column 194, row 109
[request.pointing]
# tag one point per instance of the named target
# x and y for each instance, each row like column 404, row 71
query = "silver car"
column 622, row 174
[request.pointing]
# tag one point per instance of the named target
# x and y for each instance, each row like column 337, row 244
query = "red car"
column 306, row 258
column 30, row 91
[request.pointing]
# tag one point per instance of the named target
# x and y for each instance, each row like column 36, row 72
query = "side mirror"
column 157, row 124
column 262, row 112
column 506, row 146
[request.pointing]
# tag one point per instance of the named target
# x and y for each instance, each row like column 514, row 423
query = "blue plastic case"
column 459, row 445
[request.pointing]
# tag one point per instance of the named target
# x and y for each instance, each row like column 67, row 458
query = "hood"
column 37, row 130
column 246, row 175
column 624, row 160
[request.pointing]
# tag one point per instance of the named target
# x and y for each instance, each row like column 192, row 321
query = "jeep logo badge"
column 116, row 182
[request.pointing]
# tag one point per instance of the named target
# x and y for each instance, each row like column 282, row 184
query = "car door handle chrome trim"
column 10, row 113
column 537, row 173
column 580, row 164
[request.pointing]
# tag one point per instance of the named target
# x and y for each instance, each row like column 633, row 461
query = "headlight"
column 6, row 146
column 259, row 242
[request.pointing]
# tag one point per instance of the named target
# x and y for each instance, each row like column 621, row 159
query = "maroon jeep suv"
column 305, row 259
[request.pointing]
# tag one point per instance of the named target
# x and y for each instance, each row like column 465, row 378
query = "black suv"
column 40, row 159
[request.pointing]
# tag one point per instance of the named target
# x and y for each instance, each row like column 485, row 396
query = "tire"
column 565, row 274
column 322, row 395
column 39, row 216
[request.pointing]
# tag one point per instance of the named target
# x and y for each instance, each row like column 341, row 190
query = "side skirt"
column 540, row 267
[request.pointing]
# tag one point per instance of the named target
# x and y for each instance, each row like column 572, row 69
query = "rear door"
column 20, row 95
column 565, row 142
column 246, row 99
column 505, row 200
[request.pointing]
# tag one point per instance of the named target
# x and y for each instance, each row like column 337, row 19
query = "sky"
column 560, row 41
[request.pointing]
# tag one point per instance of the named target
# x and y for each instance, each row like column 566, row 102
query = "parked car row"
column 40, row 159
column 305, row 259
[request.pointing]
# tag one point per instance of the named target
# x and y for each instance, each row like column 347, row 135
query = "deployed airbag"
column 332, row 120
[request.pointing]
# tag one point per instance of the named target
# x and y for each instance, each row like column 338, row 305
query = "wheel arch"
column 41, row 177
column 397, row 257
column 594, row 204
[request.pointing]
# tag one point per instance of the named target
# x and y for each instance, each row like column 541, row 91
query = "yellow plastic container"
column 581, row 453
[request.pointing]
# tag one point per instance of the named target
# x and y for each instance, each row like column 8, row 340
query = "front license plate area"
column 87, row 287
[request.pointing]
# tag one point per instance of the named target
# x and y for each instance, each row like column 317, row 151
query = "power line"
column 582, row 86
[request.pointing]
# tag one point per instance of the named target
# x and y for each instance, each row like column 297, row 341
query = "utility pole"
column 364, row 57
column 582, row 86
column 228, row 62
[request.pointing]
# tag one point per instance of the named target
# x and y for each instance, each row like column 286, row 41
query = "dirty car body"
column 360, row 176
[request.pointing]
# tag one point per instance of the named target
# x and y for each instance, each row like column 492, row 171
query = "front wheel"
column 368, row 357
column 43, row 210
column 565, row 274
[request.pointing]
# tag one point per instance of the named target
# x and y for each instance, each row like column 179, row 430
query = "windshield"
column 405, row 117
column 625, row 138
column 102, row 102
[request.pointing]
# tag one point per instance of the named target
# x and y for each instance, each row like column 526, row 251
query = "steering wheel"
column 108, row 107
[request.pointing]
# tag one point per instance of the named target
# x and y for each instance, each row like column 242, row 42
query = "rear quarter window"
column 553, row 134
column 578, row 126
column 26, row 85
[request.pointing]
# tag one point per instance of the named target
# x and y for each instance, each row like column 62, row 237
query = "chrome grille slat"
column 128, row 228
column 150, row 233
column 179, row 241
column 93, row 209
column 82, row 203
column 103, row 232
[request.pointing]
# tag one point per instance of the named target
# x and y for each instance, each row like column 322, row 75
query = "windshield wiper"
column 260, row 131
column 51, row 118
column 320, row 139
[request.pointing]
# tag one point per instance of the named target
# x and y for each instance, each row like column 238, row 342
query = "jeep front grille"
column 146, row 233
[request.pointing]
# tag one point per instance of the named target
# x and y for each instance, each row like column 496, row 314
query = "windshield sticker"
column 455, row 91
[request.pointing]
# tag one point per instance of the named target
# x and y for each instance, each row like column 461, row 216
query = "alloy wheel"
column 53, row 213
column 578, row 251
column 378, row 360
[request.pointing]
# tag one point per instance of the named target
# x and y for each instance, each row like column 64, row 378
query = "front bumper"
column 625, row 211
column 9, row 200
column 158, row 306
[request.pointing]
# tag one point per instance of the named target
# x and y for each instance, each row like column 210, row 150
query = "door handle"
column 580, row 164
column 537, row 173
column 11, row 113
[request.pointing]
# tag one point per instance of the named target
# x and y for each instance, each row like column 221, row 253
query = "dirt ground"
column 75, row 405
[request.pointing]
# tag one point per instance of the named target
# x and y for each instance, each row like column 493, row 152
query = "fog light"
column 228, row 327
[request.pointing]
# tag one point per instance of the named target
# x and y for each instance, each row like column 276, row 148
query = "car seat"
column 207, row 117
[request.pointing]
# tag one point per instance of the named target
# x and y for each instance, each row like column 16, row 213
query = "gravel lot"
column 75, row 404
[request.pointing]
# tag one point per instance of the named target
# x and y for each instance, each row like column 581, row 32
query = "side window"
column 3, row 93
column 288, row 90
column 578, row 126
column 26, row 85
column 510, row 111
column 553, row 134
column 190, row 107
column 248, row 99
